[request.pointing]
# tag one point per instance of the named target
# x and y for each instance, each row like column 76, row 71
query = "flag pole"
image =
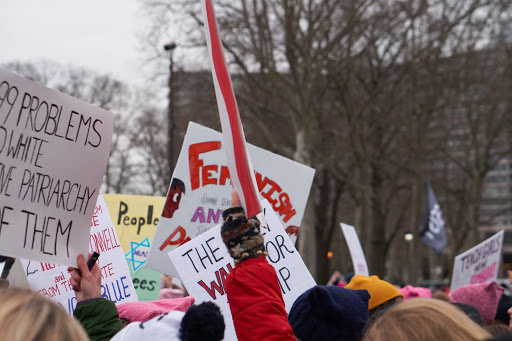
column 431, row 266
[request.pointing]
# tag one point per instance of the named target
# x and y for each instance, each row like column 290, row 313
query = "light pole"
column 170, row 108
column 409, row 237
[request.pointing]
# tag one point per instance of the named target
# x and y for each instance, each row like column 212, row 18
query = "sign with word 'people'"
column 204, row 262
column 356, row 251
column 135, row 218
column 116, row 284
column 53, row 154
column 479, row 264
column 201, row 190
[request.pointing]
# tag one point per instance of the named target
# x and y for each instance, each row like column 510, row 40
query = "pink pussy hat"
column 483, row 296
column 411, row 292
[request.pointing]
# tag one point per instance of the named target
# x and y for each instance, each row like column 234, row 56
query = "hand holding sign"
column 241, row 236
column 86, row 283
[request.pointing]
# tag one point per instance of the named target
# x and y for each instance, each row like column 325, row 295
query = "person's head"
column 411, row 292
column 383, row 294
column 329, row 313
column 497, row 328
column 424, row 319
column 483, row 296
column 440, row 295
column 27, row 315
column 199, row 322
column 172, row 202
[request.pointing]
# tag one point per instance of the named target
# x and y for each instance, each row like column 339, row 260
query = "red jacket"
column 256, row 302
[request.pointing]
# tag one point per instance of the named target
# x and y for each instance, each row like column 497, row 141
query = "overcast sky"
column 96, row 34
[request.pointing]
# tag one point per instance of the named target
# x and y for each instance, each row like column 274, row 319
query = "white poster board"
column 53, row 154
column 356, row 251
column 116, row 284
column 479, row 264
column 203, row 192
column 204, row 277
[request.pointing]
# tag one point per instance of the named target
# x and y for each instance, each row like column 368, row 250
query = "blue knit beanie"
column 330, row 313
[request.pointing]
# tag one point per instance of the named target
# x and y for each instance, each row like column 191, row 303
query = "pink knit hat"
column 410, row 292
column 167, row 293
column 144, row 311
column 483, row 296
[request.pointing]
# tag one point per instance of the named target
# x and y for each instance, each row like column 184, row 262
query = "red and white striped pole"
column 240, row 168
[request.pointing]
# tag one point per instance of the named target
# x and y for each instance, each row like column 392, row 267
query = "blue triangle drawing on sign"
column 130, row 256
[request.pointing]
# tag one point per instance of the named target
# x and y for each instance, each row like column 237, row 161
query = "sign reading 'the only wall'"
column 53, row 154
column 201, row 189
column 204, row 263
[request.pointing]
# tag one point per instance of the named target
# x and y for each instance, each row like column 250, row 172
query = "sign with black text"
column 116, row 284
column 204, row 262
column 479, row 264
column 53, row 154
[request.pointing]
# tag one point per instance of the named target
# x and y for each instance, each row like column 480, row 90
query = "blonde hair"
column 424, row 319
column 27, row 315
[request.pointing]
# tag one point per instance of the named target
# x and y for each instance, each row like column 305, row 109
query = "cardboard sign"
column 356, row 251
column 479, row 264
column 204, row 263
column 201, row 190
column 135, row 218
column 116, row 284
column 239, row 163
column 53, row 154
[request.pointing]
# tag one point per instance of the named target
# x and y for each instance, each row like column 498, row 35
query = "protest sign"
column 135, row 218
column 238, row 160
column 356, row 251
column 200, row 190
column 116, row 284
column 53, row 151
column 479, row 264
column 204, row 262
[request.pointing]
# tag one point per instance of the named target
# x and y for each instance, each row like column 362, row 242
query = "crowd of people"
column 358, row 308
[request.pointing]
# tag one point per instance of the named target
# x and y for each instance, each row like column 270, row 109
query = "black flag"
column 433, row 233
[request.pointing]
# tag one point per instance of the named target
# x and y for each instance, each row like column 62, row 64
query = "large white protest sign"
column 479, row 264
column 356, row 251
column 116, row 284
column 53, row 154
column 204, row 263
column 201, row 190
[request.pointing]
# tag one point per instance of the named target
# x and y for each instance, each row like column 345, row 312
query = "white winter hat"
column 162, row 327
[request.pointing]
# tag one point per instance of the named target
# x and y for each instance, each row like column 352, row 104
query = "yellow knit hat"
column 380, row 291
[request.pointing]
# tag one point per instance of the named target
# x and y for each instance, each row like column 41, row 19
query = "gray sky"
column 96, row 34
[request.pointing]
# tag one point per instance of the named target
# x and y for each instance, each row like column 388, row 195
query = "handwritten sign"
column 135, row 218
column 204, row 263
column 356, row 251
column 201, row 190
column 116, row 284
column 479, row 264
column 53, row 154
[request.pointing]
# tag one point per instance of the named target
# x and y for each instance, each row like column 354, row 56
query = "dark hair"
column 178, row 183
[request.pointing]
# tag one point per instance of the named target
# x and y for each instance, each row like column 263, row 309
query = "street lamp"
column 409, row 237
column 170, row 106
